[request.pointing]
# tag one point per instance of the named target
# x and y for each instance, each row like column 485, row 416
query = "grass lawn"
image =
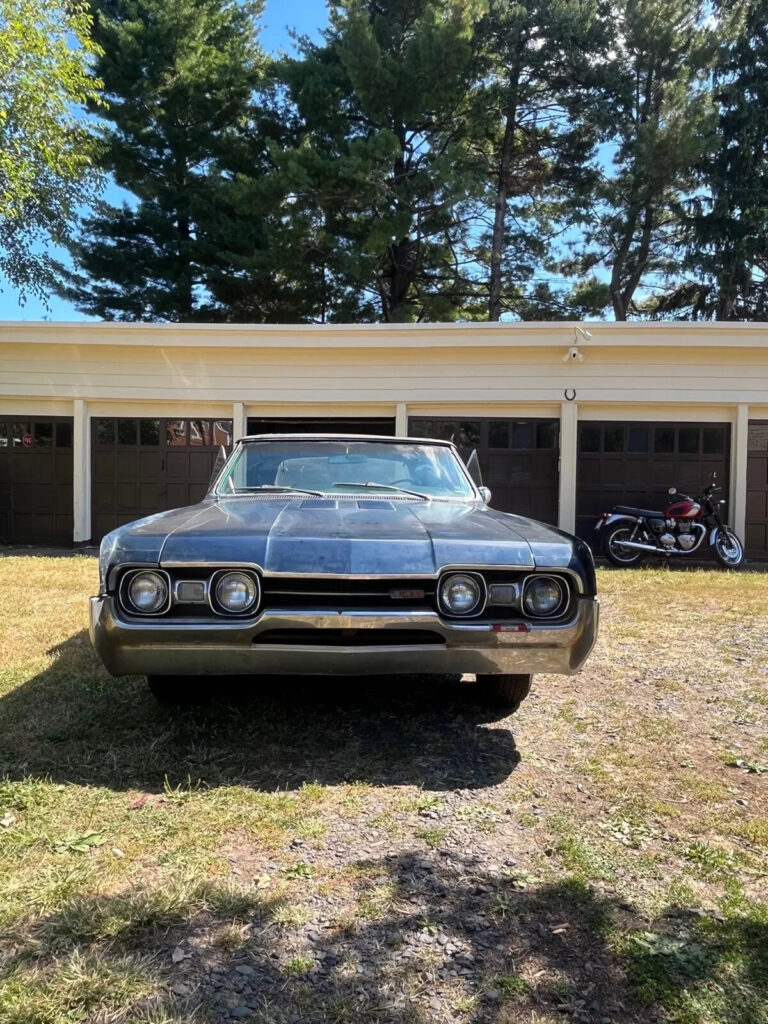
column 387, row 851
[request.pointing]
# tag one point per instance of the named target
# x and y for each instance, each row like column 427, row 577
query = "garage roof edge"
column 543, row 334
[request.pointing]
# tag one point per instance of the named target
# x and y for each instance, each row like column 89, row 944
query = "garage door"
column 756, row 539
column 518, row 458
column 383, row 425
column 635, row 464
column 143, row 465
column 36, row 480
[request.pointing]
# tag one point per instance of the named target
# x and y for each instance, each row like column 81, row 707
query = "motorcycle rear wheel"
column 728, row 549
column 624, row 557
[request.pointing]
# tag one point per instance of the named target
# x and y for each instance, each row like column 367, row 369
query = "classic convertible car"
column 343, row 555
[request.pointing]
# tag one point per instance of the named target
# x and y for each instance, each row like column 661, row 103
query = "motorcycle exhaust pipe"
column 636, row 546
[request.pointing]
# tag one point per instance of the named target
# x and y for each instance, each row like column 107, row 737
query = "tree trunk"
column 401, row 259
column 184, row 285
column 500, row 210
column 400, row 276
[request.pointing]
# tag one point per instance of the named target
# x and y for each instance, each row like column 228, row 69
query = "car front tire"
column 506, row 691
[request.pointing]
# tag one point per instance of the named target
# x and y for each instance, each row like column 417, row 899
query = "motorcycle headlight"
column 543, row 596
column 147, row 592
column 236, row 592
column 460, row 594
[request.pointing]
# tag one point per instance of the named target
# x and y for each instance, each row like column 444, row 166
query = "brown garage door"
column 383, row 425
column 635, row 464
column 143, row 465
column 756, row 540
column 518, row 459
column 36, row 480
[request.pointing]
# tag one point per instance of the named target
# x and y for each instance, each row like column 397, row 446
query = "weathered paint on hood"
column 345, row 536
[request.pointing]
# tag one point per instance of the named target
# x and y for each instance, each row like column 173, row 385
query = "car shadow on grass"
column 74, row 723
column 448, row 941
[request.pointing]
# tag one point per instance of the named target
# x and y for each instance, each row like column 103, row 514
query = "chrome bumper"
column 228, row 648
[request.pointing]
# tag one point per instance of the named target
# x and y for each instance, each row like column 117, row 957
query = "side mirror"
column 218, row 465
column 485, row 494
column 672, row 490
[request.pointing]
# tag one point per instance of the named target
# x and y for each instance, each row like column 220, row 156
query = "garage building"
column 101, row 423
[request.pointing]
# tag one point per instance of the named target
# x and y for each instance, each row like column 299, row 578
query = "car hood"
column 358, row 536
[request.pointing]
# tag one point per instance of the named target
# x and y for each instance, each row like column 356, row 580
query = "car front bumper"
column 153, row 647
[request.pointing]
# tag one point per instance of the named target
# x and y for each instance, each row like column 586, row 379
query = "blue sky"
column 280, row 16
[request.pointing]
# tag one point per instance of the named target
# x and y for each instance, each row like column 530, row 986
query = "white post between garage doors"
column 239, row 421
column 739, row 431
column 401, row 419
column 81, row 472
column 569, row 422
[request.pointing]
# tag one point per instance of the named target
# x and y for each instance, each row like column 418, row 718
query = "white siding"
column 258, row 375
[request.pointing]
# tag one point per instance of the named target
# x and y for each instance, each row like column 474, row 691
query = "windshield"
column 346, row 467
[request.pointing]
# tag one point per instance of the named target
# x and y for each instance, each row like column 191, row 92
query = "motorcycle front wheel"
column 613, row 549
column 728, row 549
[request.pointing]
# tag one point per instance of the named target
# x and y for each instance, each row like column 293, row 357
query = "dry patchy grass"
column 385, row 853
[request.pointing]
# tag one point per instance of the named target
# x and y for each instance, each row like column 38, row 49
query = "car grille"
column 350, row 637
column 331, row 594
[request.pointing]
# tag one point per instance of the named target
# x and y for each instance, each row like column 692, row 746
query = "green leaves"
column 47, row 166
column 80, row 844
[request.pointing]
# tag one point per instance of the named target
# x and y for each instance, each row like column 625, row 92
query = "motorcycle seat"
column 647, row 513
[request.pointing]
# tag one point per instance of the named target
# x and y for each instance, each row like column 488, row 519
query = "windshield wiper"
column 389, row 487
column 280, row 490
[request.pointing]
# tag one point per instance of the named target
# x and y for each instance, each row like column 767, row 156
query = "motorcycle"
column 630, row 534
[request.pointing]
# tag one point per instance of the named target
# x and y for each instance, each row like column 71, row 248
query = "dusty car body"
column 302, row 560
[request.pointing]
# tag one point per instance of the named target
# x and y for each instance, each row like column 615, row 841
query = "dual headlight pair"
column 465, row 594
column 148, row 592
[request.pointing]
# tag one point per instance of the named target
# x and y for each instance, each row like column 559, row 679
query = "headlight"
column 147, row 592
column 236, row 592
column 544, row 595
column 460, row 594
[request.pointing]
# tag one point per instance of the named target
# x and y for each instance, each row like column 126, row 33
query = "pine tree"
column 381, row 169
column 657, row 90
column 179, row 80
column 533, row 131
column 728, row 226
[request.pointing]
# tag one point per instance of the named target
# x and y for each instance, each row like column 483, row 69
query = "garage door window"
column 637, row 439
column 149, row 433
column 712, row 440
column 43, row 436
column 664, row 440
column 126, row 432
column 688, row 441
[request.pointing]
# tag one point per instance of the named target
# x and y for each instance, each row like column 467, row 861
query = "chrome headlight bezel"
column 557, row 609
column 477, row 582
column 129, row 604
column 218, row 605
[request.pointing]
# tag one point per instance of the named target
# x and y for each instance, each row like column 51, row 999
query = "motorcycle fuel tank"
column 686, row 508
